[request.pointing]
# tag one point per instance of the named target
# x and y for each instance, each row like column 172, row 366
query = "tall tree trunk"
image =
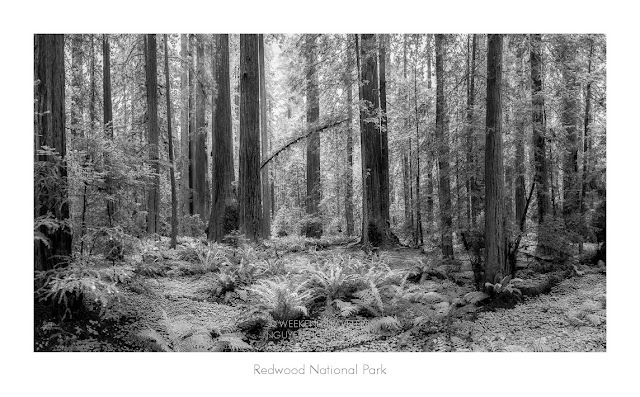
column 192, row 123
column 444, row 185
column 222, row 164
column 77, row 82
column 406, row 161
column 264, row 142
column 375, row 228
column 541, row 177
column 153, row 199
column 313, row 228
column 471, row 158
column 570, row 121
column 418, row 231
column 520, row 190
column 348, row 197
column 495, row 258
column 586, row 136
column 106, row 86
column 429, row 138
column 184, row 127
column 385, row 187
column 92, row 85
column 200, row 155
column 172, row 175
column 49, row 130
column 249, row 176
column 107, row 119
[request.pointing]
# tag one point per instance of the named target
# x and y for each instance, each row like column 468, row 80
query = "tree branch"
column 297, row 139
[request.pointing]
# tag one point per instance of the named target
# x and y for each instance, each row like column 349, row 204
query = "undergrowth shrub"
column 182, row 336
column 282, row 300
column 332, row 280
column 80, row 286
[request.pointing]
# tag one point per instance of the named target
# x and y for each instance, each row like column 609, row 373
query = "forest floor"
column 171, row 305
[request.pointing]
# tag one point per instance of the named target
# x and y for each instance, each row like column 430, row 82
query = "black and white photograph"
column 233, row 198
column 320, row 192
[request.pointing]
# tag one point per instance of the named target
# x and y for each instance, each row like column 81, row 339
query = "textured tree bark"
column 418, row 230
column 348, row 197
column 153, row 198
column 520, row 190
column 471, row 160
column 184, row 128
column 106, row 87
column 444, row 185
column 92, row 85
column 495, row 259
column 406, row 162
column 49, row 130
column 541, row 177
column 222, row 164
column 385, row 186
column 375, row 228
column 264, row 142
column 429, row 139
column 586, row 137
column 313, row 228
column 249, row 175
column 200, row 145
column 107, row 119
column 77, row 82
column 570, row 120
column 192, row 122
column 172, row 175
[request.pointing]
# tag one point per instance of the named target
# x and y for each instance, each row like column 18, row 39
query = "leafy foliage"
column 81, row 285
column 282, row 300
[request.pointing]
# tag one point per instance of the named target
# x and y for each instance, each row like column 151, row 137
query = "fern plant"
column 271, row 267
column 80, row 285
column 330, row 281
column 182, row 336
column 282, row 300
column 504, row 288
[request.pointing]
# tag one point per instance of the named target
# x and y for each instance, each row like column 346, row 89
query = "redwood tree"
column 222, row 163
column 249, row 172
column 570, row 119
column 174, row 194
column 50, row 199
column 184, row 128
column 375, row 228
column 541, row 177
column 264, row 144
column 151, row 72
column 199, row 160
column 348, row 177
column 444, row 185
column 107, row 118
column 519, row 167
column 495, row 259
column 314, row 227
